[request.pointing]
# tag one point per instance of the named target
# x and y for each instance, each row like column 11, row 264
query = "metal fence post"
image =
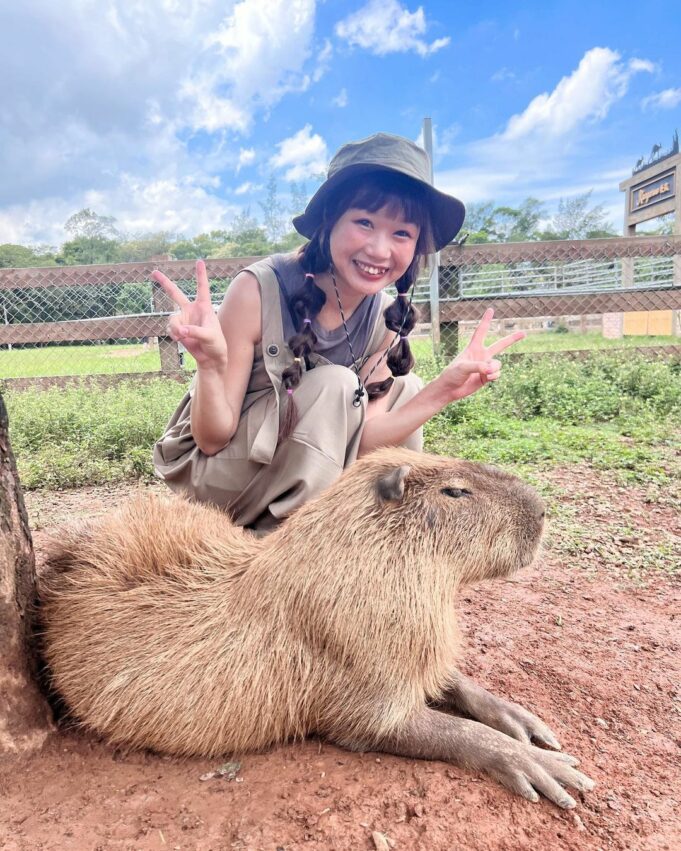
column 433, row 259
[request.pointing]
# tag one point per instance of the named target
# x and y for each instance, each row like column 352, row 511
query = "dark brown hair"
column 400, row 196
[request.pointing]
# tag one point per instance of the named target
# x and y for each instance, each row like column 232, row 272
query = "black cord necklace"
column 357, row 398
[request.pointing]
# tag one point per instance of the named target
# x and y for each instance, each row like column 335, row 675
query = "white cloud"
column 540, row 153
column 503, row 74
column 443, row 139
column 175, row 205
column 341, row 98
column 109, row 94
column 302, row 155
column 251, row 61
column 247, row 187
column 667, row 99
column 642, row 65
column 385, row 26
column 323, row 61
column 587, row 94
column 246, row 157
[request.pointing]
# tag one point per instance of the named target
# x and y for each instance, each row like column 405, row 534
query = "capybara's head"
column 395, row 502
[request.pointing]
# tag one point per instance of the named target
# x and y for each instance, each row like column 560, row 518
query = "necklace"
column 357, row 398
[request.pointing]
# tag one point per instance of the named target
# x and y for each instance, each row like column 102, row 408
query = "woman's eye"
column 364, row 222
column 405, row 233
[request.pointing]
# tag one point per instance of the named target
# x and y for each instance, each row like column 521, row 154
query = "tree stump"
column 25, row 719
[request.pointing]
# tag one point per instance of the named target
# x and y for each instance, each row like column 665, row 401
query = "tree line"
column 95, row 238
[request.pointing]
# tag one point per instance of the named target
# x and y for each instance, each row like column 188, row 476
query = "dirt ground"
column 586, row 642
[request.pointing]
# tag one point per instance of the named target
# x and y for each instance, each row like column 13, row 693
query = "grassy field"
column 78, row 360
column 615, row 412
column 110, row 359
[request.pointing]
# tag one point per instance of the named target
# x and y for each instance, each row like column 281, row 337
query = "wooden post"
column 171, row 363
column 25, row 719
column 450, row 289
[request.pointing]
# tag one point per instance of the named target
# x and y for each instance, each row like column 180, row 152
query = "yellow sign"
column 660, row 189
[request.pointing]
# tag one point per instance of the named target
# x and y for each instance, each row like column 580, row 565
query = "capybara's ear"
column 391, row 486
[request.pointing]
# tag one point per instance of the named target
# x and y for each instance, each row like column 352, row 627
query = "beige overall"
column 257, row 480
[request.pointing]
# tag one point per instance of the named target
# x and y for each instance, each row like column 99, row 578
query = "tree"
column 88, row 224
column 83, row 250
column 486, row 222
column 480, row 222
column 24, row 714
column 272, row 211
column 135, row 249
column 21, row 256
column 299, row 198
column 519, row 224
column 574, row 219
column 94, row 239
column 246, row 237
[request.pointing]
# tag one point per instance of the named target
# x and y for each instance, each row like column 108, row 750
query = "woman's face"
column 371, row 250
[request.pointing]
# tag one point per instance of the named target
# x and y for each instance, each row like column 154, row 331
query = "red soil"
column 595, row 654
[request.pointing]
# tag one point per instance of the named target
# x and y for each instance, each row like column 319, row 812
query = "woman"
column 306, row 364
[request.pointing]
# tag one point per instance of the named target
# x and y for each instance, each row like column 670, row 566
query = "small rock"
column 602, row 723
column 578, row 822
column 381, row 841
column 228, row 771
column 614, row 804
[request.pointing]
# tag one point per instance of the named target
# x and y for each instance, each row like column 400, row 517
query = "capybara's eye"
column 456, row 492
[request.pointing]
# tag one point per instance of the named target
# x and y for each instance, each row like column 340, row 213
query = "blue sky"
column 172, row 114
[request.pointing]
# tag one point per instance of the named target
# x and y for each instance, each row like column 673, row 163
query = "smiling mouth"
column 376, row 271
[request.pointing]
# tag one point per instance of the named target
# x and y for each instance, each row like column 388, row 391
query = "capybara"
column 166, row 626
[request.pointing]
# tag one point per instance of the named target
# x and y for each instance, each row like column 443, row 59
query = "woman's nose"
column 378, row 246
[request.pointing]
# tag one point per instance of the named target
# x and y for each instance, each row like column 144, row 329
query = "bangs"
column 401, row 197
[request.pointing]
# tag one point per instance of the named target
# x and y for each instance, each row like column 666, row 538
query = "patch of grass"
column 614, row 413
column 617, row 548
column 78, row 360
column 88, row 435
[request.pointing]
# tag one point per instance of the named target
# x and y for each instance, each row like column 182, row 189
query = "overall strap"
column 276, row 357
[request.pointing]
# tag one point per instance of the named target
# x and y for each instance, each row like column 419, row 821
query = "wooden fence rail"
column 453, row 308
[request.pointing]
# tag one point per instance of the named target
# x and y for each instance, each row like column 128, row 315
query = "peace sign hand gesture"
column 476, row 365
column 195, row 325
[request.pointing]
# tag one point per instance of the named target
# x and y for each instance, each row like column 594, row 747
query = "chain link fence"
column 570, row 297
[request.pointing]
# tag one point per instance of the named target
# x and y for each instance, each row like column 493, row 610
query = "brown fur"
column 165, row 626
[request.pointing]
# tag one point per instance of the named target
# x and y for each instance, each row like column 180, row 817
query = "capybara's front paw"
column 528, row 770
column 512, row 719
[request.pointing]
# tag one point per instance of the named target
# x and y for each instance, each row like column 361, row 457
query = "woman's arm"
column 221, row 385
column 222, row 346
column 474, row 367
column 392, row 428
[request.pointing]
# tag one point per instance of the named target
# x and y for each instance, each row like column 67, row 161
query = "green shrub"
column 614, row 411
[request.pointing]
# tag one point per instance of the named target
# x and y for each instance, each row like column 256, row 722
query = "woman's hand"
column 476, row 365
column 196, row 325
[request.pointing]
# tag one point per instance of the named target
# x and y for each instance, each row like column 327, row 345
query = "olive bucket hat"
column 384, row 152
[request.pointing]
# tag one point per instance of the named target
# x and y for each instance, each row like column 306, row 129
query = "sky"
column 173, row 115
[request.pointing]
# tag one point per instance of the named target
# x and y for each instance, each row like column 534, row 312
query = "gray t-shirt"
column 333, row 345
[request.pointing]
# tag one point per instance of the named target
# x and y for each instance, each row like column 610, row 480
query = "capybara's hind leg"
column 523, row 768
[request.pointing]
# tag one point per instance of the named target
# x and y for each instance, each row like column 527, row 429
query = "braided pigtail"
column 304, row 306
column 400, row 317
